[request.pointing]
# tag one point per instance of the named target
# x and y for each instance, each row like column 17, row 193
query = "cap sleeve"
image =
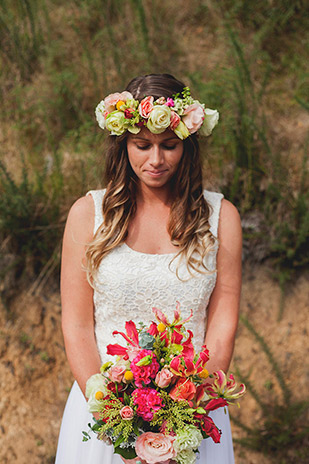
column 214, row 200
column 97, row 196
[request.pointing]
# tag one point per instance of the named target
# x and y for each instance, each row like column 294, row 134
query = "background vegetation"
column 58, row 60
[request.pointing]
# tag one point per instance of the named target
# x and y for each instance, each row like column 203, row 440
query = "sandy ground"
column 35, row 377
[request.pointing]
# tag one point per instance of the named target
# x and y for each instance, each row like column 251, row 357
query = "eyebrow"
column 144, row 139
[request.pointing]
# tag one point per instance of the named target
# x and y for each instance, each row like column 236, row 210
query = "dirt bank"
column 35, row 377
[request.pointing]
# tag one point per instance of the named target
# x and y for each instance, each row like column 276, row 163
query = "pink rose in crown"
column 111, row 101
column 155, row 447
column 175, row 120
column 183, row 390
column 194, row 116
column 145, row 107
column 116, row 373
column 126, row 413
column 163, row 378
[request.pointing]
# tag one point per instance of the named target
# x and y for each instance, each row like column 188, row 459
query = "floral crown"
column 120, row 112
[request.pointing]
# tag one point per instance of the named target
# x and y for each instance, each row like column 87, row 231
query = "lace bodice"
column 131, row 283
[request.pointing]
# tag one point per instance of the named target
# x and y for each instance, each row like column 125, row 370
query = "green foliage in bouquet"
column 175, row 415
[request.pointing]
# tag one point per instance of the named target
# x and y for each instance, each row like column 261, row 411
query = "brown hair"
column 188, row 224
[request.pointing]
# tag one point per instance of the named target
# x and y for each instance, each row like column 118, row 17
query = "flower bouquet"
column 154, row 401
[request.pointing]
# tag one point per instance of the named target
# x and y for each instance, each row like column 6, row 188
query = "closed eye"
column 143, row 147
column 169, row 147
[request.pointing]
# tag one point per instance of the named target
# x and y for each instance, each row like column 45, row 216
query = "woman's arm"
column 223, row 308
column 77, row 294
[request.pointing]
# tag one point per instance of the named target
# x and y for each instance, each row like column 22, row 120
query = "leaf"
column 126, row 453
column 126, row 398
column 86, row 436
column 119, row 440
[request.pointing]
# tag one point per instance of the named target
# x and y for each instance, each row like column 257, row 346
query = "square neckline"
column 147, row 254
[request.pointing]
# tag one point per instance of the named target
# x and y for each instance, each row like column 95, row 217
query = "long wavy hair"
column 188, row 224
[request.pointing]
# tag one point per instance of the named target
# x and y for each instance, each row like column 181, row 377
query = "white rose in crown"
column 210, row 121
column 99, row 112
column 116, row 123
column 159, row 119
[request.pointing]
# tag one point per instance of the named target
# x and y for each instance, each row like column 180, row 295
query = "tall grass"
column 30, row 225
column 60, row 60
column 21, row 35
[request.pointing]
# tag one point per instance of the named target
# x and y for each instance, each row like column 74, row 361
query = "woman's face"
column 154, row 157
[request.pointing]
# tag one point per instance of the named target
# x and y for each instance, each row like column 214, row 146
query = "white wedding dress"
column 130, row 284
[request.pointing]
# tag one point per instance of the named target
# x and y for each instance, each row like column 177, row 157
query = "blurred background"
column 249, row 60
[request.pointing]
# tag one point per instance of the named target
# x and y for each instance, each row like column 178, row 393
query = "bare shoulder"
column 80, row 219
column 229, row 222
column 82, row 208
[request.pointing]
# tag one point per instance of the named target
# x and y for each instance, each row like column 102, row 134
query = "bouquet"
column 154, row 400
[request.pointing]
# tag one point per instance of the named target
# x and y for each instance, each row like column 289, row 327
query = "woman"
column 149, row 239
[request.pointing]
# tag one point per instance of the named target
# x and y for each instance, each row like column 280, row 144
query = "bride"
column 151, row 238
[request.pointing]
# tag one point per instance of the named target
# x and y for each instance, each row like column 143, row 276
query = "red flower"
column 141, row 123
column 209, row 427
column 153, row 329
column 131, row 337
column 215, row 404
column 111, row 386
column 128, row 113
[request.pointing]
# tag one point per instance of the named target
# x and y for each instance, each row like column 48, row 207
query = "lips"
column 157, row 173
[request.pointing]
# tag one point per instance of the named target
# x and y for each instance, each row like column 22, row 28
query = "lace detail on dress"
column 131, row 283
column 97, row 196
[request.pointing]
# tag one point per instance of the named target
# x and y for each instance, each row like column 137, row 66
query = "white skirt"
column 72, row 450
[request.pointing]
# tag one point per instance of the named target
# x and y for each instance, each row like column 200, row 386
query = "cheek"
column 133, row 157
column 176, row 159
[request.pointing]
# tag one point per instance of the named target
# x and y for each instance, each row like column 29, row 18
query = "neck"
column 153, row 196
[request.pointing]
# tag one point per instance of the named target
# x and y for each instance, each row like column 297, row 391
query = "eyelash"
column 166, row 147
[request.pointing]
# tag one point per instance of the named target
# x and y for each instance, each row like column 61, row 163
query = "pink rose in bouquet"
column 116, row 373
column 155, row 447
column 126, row 413
column 164, row 378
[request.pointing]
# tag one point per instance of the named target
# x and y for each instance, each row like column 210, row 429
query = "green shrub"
column 30, row 221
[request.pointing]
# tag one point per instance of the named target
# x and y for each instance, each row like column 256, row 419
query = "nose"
column 156, row 157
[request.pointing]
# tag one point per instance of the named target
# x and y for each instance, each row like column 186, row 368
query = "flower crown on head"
column 120, row 112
